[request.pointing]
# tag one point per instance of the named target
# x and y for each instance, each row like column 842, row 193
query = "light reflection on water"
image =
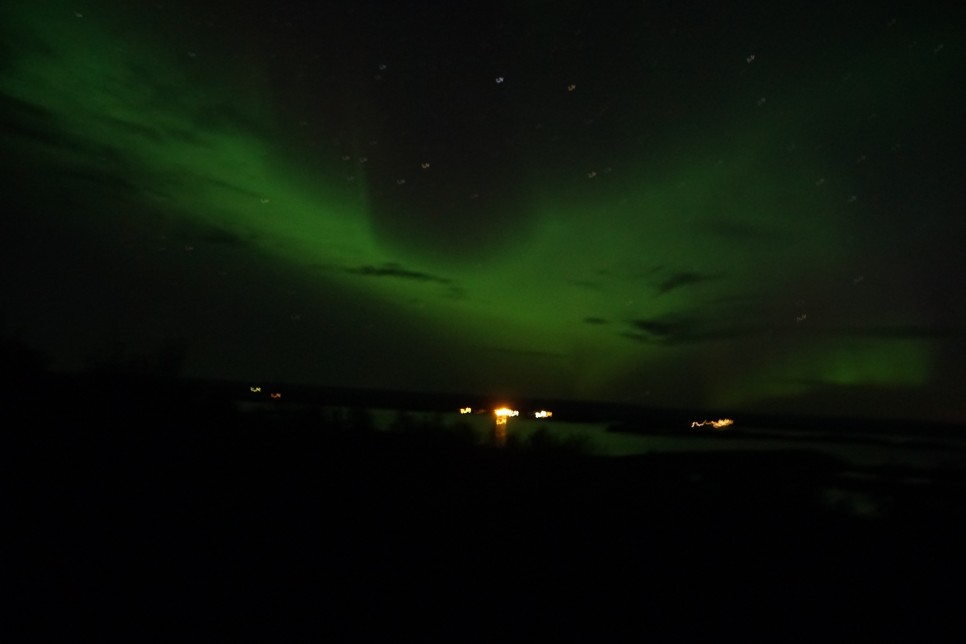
column 865, row 451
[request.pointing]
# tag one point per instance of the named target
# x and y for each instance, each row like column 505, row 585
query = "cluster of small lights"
column 721, row 423
column 506, row 412
column 503, row 414
column 255, row 389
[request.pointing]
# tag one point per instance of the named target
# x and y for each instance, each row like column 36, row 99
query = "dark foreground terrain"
column 143, row 519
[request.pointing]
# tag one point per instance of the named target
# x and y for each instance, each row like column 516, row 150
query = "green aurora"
column 725, row 261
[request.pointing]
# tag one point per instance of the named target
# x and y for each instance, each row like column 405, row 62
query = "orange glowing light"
column 276, row 395
column 721, row 423
column 503, row 414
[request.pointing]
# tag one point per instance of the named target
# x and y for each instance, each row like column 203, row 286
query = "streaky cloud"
column 397, row 271
column 682, row 279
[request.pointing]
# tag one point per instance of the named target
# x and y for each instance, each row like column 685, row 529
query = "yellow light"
column 503, row 414
column 500, row 434
column 466, row 410
column 255, row 390
column 543, row 414
column 721, row 423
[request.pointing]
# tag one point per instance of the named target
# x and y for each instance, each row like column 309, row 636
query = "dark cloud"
column 190, row 233
column 682, row 279
column 234, row 188
column 33, row 123
column 150, row 133
column 682, row 331
column 395, row 270
column 662, row 329
column 692, row 330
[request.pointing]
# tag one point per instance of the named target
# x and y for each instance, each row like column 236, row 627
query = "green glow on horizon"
column 841, row 363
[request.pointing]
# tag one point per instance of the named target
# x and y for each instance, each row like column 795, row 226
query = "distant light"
column 466, row 410
column 543, row 414
column 721, row 423
column 255, row 390
column 503, row 414
column 276, row 395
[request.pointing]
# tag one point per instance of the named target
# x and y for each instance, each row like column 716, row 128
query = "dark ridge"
column 177, row 393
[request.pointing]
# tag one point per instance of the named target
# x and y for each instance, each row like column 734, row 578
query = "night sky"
column 754, row 206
